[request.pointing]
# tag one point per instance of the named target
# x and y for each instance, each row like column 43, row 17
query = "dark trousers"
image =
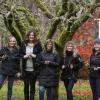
column 10, row 84
column 95, row 86
column 50, row 92
column 69, row 83
column 29, row 85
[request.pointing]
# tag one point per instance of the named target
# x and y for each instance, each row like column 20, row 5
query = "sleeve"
column 17, row 58
column 40, row 60
column 37, row 53
column 21, row 50
column 3, row 53
column 39, row 49
column 18, row 66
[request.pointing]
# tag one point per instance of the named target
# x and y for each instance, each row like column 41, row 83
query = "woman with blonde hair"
column 48, row 77
column 72, row 62
column 10, row 68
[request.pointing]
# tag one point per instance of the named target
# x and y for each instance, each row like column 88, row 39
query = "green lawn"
column 81, row 91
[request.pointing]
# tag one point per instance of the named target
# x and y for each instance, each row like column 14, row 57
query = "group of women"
column 43, row 64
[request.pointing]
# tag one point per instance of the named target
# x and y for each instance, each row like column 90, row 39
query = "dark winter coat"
column 36, row 50
column 48, row 76
column 67, row 72
column 11, row 64
column 94, row 62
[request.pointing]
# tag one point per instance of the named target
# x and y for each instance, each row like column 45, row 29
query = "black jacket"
column 36, row 50
column 48, row 76
column 11, row 64
column 67, row 72
column 94, row 62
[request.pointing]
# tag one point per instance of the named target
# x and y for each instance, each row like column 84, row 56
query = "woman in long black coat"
column 48, row 77
column 94, row 72
column 72, row 62
column 29, row 51
column 10, row 62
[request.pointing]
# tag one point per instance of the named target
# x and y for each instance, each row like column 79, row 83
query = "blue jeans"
column 10, row 84
column 69, row 84
column 50, row 92
column 95, row 86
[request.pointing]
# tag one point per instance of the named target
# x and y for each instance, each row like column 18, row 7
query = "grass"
column 81, row 91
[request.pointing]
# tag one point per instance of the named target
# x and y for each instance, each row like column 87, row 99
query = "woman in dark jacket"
column 70, row 68
column 94, row 75
column 48, row 77
column 10, row 68
column 29, row 51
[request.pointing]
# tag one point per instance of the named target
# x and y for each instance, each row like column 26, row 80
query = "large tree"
column 64, row 17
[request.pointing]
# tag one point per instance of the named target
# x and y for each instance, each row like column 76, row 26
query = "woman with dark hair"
column 94, row 73
column 29, row 51
column 48, row 77
column 70, row 68
column 10, row 68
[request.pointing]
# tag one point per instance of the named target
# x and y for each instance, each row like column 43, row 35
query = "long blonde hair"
column 75, row 52
column 53, row 45
column 9, row 38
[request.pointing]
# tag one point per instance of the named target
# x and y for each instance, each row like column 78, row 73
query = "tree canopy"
column 58, row 19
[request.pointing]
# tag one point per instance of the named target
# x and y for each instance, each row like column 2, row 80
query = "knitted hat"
column 97, row 41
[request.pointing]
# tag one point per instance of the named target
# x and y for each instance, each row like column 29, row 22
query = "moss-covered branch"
column 33, row 22
column 8, row 20
column 20, row 25
column 62, row 39
column 44, row 8
column 57, row 20
column 53, row 28
column 67, row 33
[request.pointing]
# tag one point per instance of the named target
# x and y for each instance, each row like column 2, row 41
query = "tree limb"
column 30, row 17
column 55, row 23
column 8, row 20
column 68, row 32
column 44, row 8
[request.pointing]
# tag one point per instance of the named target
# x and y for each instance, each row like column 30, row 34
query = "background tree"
column 58, row 19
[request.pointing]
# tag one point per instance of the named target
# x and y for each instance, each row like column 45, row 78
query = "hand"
column 33, row 55
column 26, row 56
column 71, row 66
column 63, row 66
column 18, row 75
column 46, row 62
column 4, row 56
column 96, row 68
column 87, row 64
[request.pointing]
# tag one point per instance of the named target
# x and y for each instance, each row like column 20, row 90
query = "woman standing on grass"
column 70, row 68
column 29, row 51
column 48, row 77
column 10, row 68
column 94, row 75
